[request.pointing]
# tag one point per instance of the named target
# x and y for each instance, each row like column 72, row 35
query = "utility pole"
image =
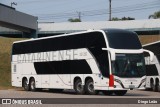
column 79, row 15
column 110, row 17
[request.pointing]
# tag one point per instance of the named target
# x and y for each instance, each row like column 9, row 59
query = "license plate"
column 131, row 86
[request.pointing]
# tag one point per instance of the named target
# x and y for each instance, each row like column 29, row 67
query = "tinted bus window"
column 94, row 39
column 95, row 43
column 123, row 40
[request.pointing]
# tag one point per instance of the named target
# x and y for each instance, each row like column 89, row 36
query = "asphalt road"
column 68, row 94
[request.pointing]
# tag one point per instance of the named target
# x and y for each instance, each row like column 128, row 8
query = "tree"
column 127, row 18
column 155, row 15
column 74, row 20
column 123, row 18
column 115, row 19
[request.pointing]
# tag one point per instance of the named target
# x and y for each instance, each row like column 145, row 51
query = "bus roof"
column 32, row 39
column 88, row 31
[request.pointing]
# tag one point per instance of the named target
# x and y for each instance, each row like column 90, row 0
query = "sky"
column 88, row 10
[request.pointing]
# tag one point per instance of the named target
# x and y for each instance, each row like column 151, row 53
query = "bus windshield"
column 129, row 65
column 121, row 39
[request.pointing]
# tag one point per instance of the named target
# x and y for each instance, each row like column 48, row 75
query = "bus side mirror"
column 113, row 55
column 150, row 53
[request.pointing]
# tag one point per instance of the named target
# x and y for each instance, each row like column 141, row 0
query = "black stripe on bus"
column 151, row 70
column 86, row 40
column 63, row 67
column 102, row 60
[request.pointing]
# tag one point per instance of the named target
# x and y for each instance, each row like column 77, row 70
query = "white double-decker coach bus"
column 153, row 67
column 109, row 60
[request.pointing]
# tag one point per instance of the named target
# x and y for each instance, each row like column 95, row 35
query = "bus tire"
column 89, row 87
column 120, row 92
column 157, row 86
column 32, row 85
column 107, row 92
column 153, row 87
column 25, row 84
column 78, row 87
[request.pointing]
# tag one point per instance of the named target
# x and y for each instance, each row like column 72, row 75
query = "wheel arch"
column 31, row 78
column 151, row 80
column 157, row 81
column 88, row 78
column 76, row 78
column 23, row 80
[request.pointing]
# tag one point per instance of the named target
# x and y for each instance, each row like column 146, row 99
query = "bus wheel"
column 120, row 92
column 107, row 92
column 32, row 85
column 153, row 87
column 25, row 84
column 89, row 87
column 78, row 87
column 158, row 88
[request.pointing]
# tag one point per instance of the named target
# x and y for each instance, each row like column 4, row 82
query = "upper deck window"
column 73, row 41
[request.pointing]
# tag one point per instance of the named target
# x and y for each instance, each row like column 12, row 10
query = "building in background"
column 148, row 30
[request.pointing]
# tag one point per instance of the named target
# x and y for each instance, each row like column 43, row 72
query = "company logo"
column 6, row 101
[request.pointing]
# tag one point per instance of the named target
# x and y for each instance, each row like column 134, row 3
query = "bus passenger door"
column 103, row 61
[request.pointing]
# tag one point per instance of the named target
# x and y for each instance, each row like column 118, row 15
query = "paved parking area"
column 68, row 94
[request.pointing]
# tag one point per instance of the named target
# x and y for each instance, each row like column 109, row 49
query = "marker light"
column 111, row 81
